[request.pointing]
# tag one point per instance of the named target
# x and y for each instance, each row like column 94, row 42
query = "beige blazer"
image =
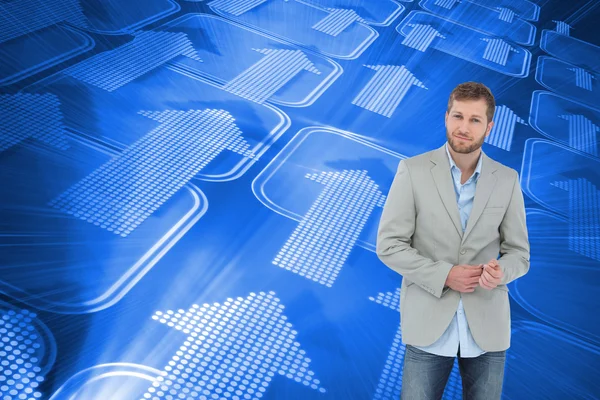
column 420, row 237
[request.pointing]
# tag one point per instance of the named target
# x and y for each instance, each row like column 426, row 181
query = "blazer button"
column 463, row 252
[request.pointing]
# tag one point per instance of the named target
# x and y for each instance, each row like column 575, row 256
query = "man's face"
column 467, row 125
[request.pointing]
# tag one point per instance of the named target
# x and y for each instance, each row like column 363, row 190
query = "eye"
column 457, row 116
column 475, row 120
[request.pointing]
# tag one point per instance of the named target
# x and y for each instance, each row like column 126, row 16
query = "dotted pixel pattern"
column 390, row 380
column 21, row 349
column 389, row 300
column 233, row 351
column 386, row 89
column 236, row 7
column 503, row 131
column 337, row 21
column 421, row 37
column 126, row 190
column 497, row 51
column 266, row 77
column 37, row 116
column 582, row 133
column 584, row 216
column 148, row 50
column 324, row 238
column 21, row 17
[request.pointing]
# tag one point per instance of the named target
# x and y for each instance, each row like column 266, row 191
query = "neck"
column 465, row 162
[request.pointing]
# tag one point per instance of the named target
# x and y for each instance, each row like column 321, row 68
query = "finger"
column 473, row 281
column 486, row 285
column 486, row 277
column 495, row 273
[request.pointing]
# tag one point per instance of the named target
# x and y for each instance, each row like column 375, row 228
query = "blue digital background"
column 191, row 190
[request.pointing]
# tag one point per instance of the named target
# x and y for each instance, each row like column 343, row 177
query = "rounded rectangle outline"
column 76, row 382
column 536, row 15
column 527, row 151
column 388, row 21
column 539, row 74
column 526, row 61
column 514, row 292
column 544, row 43
column 355, row 54
column 239, row 169
column 530, row 40
column 88, row 44
column 48, row 337
column 175, row 7
column 132, row 276
column 310, row 99
column 533, row 117
column 568, row 337
column 270, row 169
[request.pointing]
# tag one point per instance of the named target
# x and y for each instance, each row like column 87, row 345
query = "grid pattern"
column 148, row 50
column 323, row 240
column 583, row 79
column 263, row 79
column 37, row 116
column 233, row 351
column 584, row 216
column 337, row 21
column 497, row 51
column 505, row 121
column 21, row 17
column 385, row 91
column 236, row 7
column 21, row 350
column 421, row 36
column 582, row 133
column 126, row 190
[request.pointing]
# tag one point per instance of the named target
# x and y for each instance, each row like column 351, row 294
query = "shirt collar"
column 453, row 165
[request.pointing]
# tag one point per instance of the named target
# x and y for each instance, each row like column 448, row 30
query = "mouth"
column 462, row 138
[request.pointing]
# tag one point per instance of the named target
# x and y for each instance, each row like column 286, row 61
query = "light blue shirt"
column 458, row 332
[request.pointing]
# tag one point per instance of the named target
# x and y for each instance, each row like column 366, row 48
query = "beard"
column 464, row 147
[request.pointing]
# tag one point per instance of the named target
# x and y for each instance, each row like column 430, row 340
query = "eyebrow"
column 474, row 115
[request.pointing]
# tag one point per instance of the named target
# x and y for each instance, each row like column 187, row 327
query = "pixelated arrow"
column 582, row 133
column 505, row 121
column 386, row 89
column 337, row 21
column 232, row 350
column 263, row 79
column 421, row 37
column 324, row 238
column 126, row 190
column 18, row 18
column 113, row 69
column 37, row 116
column 584, row 216
column 390, row 380
column 237, row 7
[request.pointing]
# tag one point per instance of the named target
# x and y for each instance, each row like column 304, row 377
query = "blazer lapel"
column 483, row 191
column 443, row 182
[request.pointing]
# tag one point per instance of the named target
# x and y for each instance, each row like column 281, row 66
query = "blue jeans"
column 424, row 375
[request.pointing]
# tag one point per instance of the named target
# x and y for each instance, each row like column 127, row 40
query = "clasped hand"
column 465, row 278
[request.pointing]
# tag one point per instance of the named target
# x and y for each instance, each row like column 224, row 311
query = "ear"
column 489, row 128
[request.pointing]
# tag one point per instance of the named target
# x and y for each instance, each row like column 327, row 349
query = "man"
column 449, row 214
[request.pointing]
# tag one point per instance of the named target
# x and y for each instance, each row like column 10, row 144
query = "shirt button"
column 463, row 251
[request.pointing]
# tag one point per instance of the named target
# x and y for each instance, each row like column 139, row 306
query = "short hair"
column 474, row 91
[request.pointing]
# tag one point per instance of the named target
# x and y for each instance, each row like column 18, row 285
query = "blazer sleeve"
column 514, row 240
column 394, row 238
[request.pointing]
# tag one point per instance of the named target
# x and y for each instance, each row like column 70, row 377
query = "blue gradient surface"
column 191, row 190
